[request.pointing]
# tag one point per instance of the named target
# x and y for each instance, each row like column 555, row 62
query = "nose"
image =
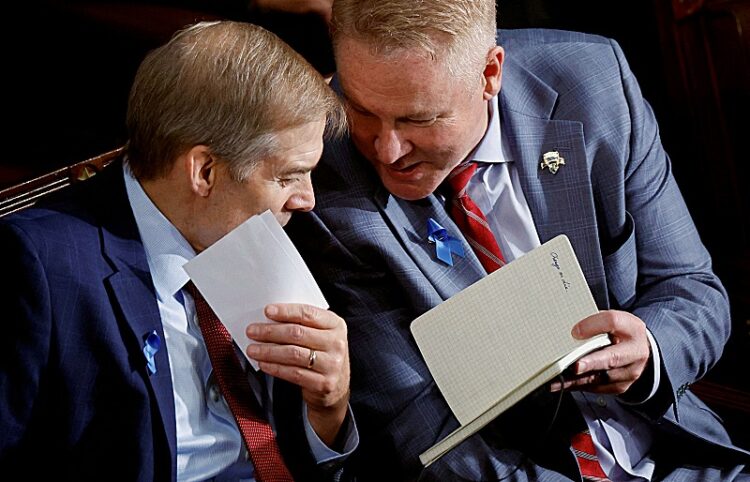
column 389, row 146
column 304, row 199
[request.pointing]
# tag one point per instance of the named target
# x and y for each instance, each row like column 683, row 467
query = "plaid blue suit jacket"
column 615, row 199
column 76, row 399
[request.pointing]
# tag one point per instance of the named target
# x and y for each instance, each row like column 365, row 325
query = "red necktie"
column 588, row 463
column 232, row 379
column 473, row 224
column 470, row 219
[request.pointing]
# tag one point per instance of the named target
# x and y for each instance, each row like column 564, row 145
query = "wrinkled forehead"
column 433, row 45
column 389, row 64
column 366, row 77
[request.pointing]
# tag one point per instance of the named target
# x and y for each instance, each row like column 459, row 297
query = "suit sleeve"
column 291, row 434
column 675, row 291
column 398, row 407
column 24, row 348
column 655, row 264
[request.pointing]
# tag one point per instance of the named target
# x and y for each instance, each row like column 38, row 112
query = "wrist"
column 327, row 421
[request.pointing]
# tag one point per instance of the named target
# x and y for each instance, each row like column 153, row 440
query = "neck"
column 177, row 204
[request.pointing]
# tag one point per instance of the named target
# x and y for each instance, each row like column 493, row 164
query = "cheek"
column 459, row 140
column 363, row 132
column 436, row 144
column 281, row 200
column 248, row 204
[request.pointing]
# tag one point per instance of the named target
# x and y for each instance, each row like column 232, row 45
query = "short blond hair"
column 230, row 86
column 456, row 32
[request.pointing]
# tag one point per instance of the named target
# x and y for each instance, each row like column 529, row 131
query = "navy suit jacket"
column 76, row 399
column 615, row 199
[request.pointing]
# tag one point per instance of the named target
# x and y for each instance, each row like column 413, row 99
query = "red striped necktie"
column 471, row 220
column 232, row 379
column 473, row 224
column 588, row 463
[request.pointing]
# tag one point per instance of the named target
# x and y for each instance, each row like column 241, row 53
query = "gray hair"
column 229, row 86
column 458, row 33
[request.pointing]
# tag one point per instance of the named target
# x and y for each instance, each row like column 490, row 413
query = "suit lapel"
column 561, row 202
column 408, row 221
column 131, row 290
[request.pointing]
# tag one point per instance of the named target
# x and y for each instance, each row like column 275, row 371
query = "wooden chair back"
column 27, row 193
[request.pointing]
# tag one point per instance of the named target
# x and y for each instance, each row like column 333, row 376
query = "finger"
column 605, row 389
column 611, row 381
column 289, row 334
column 596, row 324
column 625, row 375
column 304, row 378
column 607, row 358
column 290, row 355
column 618, row 324
column 576, row 381
column 596, row 382
column 322, row 390
column 303, row 314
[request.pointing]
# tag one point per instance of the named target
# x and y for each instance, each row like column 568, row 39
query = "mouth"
column 405, row 174
column 406, row 169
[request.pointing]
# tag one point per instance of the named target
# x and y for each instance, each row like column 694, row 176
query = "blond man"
column 546, row 133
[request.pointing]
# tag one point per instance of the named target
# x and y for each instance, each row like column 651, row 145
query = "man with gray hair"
column 567, row 146
column 112, row 365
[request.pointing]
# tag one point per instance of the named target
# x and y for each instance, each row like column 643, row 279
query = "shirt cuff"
column 655, row 375
column 322, row 452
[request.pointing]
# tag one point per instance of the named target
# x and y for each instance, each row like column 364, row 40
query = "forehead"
column 300, row 145
column 394, row 82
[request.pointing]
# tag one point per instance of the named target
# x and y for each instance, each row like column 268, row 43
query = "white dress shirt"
column 209, row 443
column 621, row 438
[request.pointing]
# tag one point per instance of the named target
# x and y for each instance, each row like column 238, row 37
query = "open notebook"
column 495, row 342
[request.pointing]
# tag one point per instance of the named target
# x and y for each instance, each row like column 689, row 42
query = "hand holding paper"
column 308, row 348
column 254, row 265
column 254, row 276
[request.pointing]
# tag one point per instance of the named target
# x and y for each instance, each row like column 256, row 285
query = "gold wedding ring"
column 313, row 357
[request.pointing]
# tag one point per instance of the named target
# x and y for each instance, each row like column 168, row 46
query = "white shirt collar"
column 490, row 148
column 166, row 249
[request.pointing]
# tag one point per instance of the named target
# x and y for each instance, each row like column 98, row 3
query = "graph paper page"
column 487, row 341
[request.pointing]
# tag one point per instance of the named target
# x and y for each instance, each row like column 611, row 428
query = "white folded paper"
column 253, row 265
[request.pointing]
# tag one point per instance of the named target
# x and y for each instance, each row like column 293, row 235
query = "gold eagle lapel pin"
column 552, row 160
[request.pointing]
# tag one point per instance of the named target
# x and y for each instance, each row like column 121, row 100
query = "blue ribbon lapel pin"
column 444, row 243
column 150, row 347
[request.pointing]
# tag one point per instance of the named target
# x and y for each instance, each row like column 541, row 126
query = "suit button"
column 601, row 402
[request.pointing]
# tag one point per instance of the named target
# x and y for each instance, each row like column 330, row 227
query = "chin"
column 409, row 192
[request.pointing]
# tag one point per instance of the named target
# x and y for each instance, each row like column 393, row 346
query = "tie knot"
column 459, row 178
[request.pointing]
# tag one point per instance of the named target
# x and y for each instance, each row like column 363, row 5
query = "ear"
column 493, row 72
column 201, row 169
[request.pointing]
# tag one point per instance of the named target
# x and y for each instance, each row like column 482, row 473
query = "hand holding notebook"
column 498, row 340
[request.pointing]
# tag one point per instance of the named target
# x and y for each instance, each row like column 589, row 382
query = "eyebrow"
column 295, row 170
column 414, row 115
column 353, row 103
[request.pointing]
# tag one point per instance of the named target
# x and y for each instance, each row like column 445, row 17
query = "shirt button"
column 213, row 392
column 601, row 402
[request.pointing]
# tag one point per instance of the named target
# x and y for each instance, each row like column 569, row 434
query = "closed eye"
column 360, row 111
column 422, row 122
column 284, row 182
